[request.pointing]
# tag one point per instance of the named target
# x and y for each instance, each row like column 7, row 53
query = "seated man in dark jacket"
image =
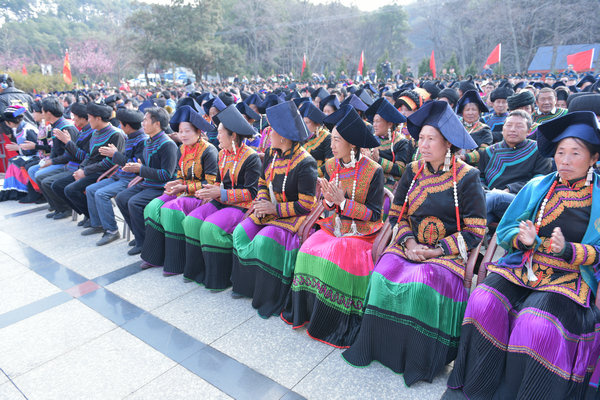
column 508, row 165
column 72, row 188
column 157, row 167
column 99, row 195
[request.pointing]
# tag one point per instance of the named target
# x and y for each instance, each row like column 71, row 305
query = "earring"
column 590, row 176
column 352, row 154
column 447, row 160
column 233, row 145
column 281, row 141
column 390, row 134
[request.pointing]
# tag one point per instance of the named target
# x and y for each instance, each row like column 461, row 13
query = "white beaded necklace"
column 338, row 222
column 235, row 163
column 272, row 178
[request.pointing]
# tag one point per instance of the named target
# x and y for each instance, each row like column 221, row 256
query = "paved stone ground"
column 83, row 322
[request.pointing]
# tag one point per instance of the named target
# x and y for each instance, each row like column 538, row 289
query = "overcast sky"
column 365, row 5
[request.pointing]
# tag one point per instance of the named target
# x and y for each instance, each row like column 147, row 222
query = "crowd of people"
column 283, row 191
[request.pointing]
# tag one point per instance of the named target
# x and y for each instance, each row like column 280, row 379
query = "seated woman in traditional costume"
column 266, row 244
column 470, row 106
column 416, row 297
column 394, row 151
column 531, row 330
column 318, row 143
column 165, row 242
column 208, row 229
column 24, row 142
column 334, row 264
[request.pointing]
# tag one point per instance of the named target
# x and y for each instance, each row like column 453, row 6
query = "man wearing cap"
column 546, row 106
column 495, row 119
column 72, row 188
column 99, row 195
column 524, row 100
column 508, row 165
column 77, row 150
column 55, row 167
column 157, row 167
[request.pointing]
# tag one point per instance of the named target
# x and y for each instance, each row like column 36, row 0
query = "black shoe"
column 41, row 200
column 92, row 231
column 134, row 251
column 131, row 242
column 87, row 224
column 51, row 215
column 83, row 222
column 27, row 200
column 50, row 208
column 145, row 265
column 107, row 238
column 62, row 214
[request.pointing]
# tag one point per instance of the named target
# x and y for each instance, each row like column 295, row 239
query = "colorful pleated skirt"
column 412, row 318
column 17, row 178
column 518, row 343
column 209, row 244
column 165, row 239
column 329, row 286
column 263, row 265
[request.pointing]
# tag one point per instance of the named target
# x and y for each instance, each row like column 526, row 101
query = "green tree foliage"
column 424, row 67
column 452, row 63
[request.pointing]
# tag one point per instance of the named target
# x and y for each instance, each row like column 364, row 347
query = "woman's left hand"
column 28, row 145
column 336, row 194
column 12, row 147
column 558, row 241
column 426, row 253
column 209, row 192
column 264, row 207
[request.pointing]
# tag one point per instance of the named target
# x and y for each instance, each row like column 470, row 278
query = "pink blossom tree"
column 93, row 58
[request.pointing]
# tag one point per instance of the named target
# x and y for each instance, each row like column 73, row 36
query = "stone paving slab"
column 240, row 353
column 45, row 336
column 109, row 367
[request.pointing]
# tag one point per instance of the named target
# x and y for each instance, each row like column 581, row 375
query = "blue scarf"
column 525, row 207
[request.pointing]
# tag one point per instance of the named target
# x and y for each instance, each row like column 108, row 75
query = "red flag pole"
column 68, row 78
column 303, row 64
column 361, row 62
column 432, row 64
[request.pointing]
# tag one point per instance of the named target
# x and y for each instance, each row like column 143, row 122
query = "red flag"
column 303, row 64
column 361, row 62
column 432, row 64
column 67, row 70
column 581, row 61
column 494, row 56
column 24, row 70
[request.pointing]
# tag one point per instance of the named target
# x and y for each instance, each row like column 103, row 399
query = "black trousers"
column 55, row 201
column 75, row 193
column 72, row 192
column 132, row 202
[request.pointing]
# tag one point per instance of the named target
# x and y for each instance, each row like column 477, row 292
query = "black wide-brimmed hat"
column 386, row 110
column 439, row 115
column 471, row 96
column 233, row 120
column 578, row 124
column 351, row 127
column 310, row 111
column 286, row 120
